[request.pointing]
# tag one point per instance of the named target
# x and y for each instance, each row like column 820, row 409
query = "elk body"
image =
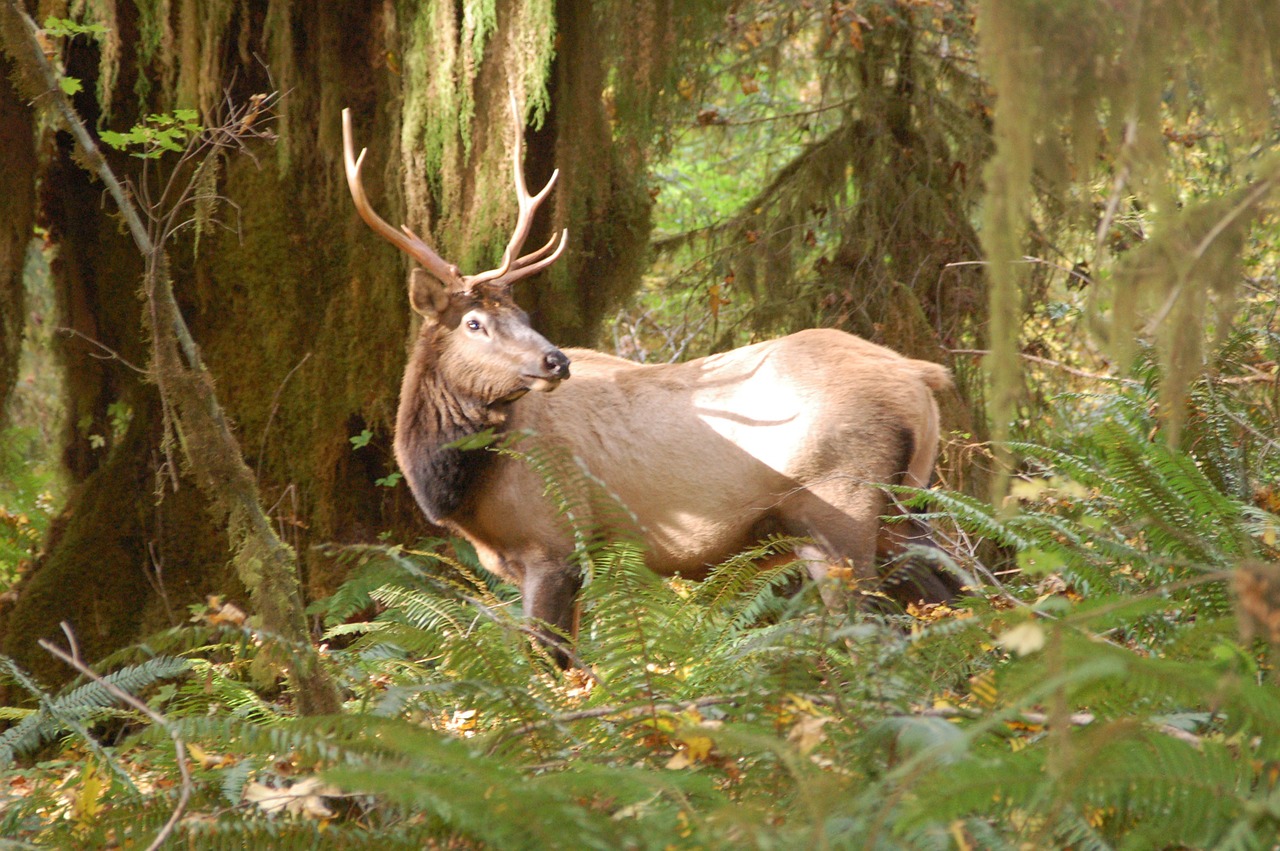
column 791, row 436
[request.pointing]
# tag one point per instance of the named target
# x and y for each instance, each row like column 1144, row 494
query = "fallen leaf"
column 807, row 733
column 1024, row 639
column 305, row 797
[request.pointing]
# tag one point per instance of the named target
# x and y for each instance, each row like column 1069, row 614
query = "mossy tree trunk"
column 300, row 312
column 17, row 141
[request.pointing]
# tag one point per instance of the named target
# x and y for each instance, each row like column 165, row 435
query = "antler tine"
column 528, row 206
column 407, row 241
column 530, row 264
column 534, row 256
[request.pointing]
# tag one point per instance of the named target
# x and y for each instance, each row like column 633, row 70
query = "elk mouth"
column 543, row 384
column 543, row 378
column 533, row 383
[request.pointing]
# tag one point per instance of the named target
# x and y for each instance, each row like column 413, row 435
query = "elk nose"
column 556, row 363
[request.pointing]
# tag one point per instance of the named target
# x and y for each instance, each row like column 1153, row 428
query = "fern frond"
column 975, row 515
column 464, row 790
column 74, row 707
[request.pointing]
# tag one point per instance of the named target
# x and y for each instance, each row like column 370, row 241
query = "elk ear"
column 427, row 296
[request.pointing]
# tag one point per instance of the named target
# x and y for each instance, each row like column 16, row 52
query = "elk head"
column 472, row 320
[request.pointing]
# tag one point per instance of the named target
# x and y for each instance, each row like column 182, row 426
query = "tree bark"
column 17, row 165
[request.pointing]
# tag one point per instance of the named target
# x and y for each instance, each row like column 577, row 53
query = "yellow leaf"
column 87, row 803
column 983, row 688
column 202, row 757
column 227, row 614
column 960, row 836
column 1024, row 639
column 807, row 732
column 698, row 747
column 662, row 723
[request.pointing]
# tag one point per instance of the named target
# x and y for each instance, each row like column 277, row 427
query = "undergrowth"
column 1101, row 697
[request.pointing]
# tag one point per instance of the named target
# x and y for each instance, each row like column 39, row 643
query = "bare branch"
column 275, row 406
column 111, row 354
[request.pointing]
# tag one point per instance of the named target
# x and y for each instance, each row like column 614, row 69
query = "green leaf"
column 69, row 85
column 361, row 440
column 114, row 139
column 67, row 28
column 479, row 440
column 390, row 480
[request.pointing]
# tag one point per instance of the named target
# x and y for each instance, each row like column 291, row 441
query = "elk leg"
column 840, row 534
column 550, row 590
column 835, row 596
column 911, row 564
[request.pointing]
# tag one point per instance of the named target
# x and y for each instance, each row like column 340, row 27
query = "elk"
column 793, row 436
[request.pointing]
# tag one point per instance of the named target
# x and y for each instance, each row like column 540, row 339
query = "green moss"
column 123, row 565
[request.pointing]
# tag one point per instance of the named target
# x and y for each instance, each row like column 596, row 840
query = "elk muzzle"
column 553, row 369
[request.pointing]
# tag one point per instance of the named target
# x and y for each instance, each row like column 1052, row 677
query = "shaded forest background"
column 1068, row 204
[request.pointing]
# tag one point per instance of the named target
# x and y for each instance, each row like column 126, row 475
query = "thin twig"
column 180, row 747
column 1117, row 187
column 1256, row 194
column 275, row 405
column 111, row 354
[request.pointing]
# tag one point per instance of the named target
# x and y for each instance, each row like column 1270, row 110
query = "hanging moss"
column 459, row 63
column 201, row 43
column 1100, row 74
column 156, row 53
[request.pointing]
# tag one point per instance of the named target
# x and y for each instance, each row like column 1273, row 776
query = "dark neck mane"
column 432, row 415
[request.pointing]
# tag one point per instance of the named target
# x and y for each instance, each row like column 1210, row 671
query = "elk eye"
column 473, row 324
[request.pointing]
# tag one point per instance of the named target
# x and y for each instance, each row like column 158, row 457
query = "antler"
column 513, row 268
column 408, row 242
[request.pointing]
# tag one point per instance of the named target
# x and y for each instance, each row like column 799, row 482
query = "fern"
column 75, row 708
column 738, row 712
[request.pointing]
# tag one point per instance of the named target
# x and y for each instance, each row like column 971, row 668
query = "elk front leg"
column 912, row 564
column 550, row 590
